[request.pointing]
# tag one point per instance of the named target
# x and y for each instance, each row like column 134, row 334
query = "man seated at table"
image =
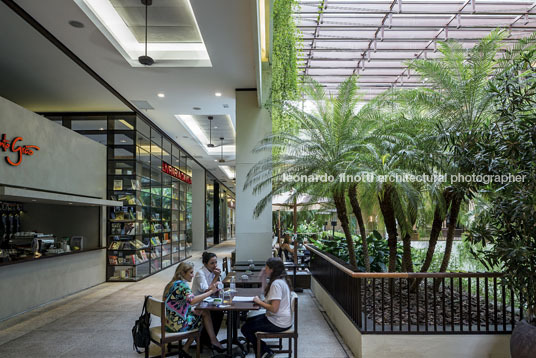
column 278, row 316
column 207, row 276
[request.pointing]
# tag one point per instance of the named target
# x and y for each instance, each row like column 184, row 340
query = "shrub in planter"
column 505, row 231
column 377, row 245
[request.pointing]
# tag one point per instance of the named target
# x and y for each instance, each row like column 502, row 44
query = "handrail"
column 399, row 274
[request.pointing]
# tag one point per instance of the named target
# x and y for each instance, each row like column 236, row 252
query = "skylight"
column 174, row 39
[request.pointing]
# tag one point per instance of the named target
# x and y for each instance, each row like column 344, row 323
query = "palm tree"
column 326, row 137
column 458, row 101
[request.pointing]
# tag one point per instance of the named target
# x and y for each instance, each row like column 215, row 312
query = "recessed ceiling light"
column 123, row 141
column 76, row 24
column 101, row 129
column 215, row 127
column 197, row 108
column 70, row 203
column 217, row 94
column 34, row 200
column 161, row 95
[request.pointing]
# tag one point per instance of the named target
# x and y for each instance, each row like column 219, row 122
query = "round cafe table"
column 233, row 309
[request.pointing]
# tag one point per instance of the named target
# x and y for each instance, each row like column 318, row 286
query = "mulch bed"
column 446, row 313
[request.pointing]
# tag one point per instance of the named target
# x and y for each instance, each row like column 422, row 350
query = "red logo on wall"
column 176, row 173
column 6, row 145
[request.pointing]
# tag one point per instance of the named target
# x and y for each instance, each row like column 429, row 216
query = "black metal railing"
column 455, row 303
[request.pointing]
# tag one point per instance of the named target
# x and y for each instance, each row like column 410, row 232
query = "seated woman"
column 208, row 275
column 180, row 315
column 287, row 249
column 278, row 317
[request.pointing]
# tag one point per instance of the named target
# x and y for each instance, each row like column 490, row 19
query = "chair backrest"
column 294, row 309
column 156, row 307
column 225, row 267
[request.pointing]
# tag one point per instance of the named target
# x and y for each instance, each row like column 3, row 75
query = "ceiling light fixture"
column 146, row 60
column 76, row 24
column 228, row 171
column 221, row 156
column 161, row 95
column 217, row 94
column 210, row 145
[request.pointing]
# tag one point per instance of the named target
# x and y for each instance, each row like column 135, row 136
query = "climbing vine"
column 284, row 64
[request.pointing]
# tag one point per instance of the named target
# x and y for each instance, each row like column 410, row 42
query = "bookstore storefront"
column 151, row 177
column 52, row 210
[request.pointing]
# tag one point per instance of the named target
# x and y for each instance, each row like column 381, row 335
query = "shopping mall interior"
column 129, row 132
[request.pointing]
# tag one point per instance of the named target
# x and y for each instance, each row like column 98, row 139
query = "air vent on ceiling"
column 143, row 105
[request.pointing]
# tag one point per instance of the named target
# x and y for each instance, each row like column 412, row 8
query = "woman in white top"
column 278, row 317
column 207, row 276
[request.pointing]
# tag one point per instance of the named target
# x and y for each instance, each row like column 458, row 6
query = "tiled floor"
column 97, row 322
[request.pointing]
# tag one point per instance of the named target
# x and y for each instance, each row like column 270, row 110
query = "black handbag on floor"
column 140, row 332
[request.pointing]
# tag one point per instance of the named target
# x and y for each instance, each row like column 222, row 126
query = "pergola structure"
column 376, row 38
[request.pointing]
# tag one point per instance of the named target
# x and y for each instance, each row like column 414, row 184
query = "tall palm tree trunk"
column 352, row 193
column 454, row 211
column 436, row 230
column 340, row 205
column 388, row 212
column 407, row 261
column 434, row 234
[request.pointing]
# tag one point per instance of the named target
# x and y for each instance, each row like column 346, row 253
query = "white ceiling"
column 229, row 31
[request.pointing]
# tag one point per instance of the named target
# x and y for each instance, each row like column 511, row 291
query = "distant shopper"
column 179, row 299
column 278, row 317
column 208, row 275
column 287, row 249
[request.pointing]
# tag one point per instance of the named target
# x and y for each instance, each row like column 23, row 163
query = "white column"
column 253, row 235
column 198, row 208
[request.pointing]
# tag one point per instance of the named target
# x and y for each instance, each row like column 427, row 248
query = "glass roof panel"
column 376, row 38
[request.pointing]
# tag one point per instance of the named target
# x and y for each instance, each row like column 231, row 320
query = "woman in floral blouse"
column 178, row 300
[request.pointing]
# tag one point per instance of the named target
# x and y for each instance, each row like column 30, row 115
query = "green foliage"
column 378, row 249
column 284, row 65
column 506, row 231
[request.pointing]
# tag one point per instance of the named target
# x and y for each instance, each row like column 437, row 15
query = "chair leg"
column 258, row 355
column 290, row 348
column 163, row 350
column 295, row 347
column 198, row 348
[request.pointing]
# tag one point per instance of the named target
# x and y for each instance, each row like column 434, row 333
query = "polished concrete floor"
column 97, row 322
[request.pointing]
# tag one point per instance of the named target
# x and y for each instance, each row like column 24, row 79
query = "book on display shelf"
column 118, row 184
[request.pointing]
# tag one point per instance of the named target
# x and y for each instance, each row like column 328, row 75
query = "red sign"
column 176, row 173
column 6, row 145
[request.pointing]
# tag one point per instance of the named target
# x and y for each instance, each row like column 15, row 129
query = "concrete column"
column 198, row 208
column 253, row 235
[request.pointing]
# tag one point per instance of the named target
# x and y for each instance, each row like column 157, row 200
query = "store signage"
column 20, row 150
column 176, row 173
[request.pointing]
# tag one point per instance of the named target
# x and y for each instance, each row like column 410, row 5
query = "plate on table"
column 209, row 299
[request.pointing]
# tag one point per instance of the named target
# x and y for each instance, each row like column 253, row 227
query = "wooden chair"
column 291, row 333
column 159, row 335
column 225, row 266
